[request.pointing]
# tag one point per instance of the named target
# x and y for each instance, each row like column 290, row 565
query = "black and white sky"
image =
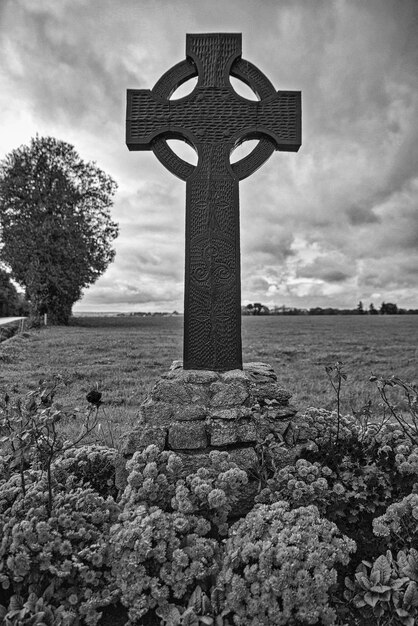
column 335, row 223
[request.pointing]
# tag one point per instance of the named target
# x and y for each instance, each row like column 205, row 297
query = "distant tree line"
column 386, row 308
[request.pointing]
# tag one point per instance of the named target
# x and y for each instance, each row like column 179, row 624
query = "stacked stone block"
column 196, row 411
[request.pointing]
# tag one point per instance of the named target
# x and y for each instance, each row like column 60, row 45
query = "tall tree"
column 389, row 308
column 55, row 224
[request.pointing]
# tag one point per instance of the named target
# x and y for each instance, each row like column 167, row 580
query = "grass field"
column 124, row 356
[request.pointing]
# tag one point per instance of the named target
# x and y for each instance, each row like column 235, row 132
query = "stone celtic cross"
column 213, row 119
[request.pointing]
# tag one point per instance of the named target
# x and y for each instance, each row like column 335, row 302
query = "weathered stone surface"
column 230, row 394
column 223, row 432
column 287, row 431
column 282, row 413
column 233, row 375
column 224, row 414
column 142, row 437
column 200, row 376
column 245, row 458
column 156, row 413
column 171, row 391
column 270, row 391
column 187, row 412
column 283, row 426
column 260, row 372
column 199, row 394
column 192, row 461
column 176, row 391
column 187, row 436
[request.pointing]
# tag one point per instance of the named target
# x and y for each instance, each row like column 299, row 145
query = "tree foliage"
column 389, row 308
column 55, row 223
column 9, row 299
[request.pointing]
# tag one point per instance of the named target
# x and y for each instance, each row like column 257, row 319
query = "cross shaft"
column 214, row 120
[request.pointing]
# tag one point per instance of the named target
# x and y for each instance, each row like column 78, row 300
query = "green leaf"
column 382, row 566
column 170, row 614
column 411, row 595
column 378, row 610
column 217, row 599
column 413, row 559
column 189, row 618
column 399, row 582
column 402, row 559
column 49, row 591
column 349, row 583
column 380, row 589
column 195, row 600
column 371, row 599
column 31, row 602
column 362, row 580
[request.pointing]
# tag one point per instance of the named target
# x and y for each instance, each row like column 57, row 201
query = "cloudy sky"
column 333, row 224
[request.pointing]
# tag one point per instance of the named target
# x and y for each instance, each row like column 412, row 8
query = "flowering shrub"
column 210, row 492
column 62, row 556
column 363, row 470
column 399, row 523
column 166, row 540
column 279, row 566
column 152, row 478
column 169, row 551
column 386, row 591
column 320, row 426
column 302, row 484
column 93, row 464
column 158, row 557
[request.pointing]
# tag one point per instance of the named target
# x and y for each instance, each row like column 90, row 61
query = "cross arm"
column 147, row 116
column 280, row 118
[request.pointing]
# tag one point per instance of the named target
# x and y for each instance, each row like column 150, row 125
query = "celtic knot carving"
column 213, row 119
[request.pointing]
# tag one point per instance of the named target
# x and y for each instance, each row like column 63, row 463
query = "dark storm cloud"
column 262, row 243
column 331, row 276
column 361, row 215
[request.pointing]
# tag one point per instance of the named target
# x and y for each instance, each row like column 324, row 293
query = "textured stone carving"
column 214, row 120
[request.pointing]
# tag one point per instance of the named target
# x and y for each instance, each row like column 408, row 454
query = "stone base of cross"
column 213, row 119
